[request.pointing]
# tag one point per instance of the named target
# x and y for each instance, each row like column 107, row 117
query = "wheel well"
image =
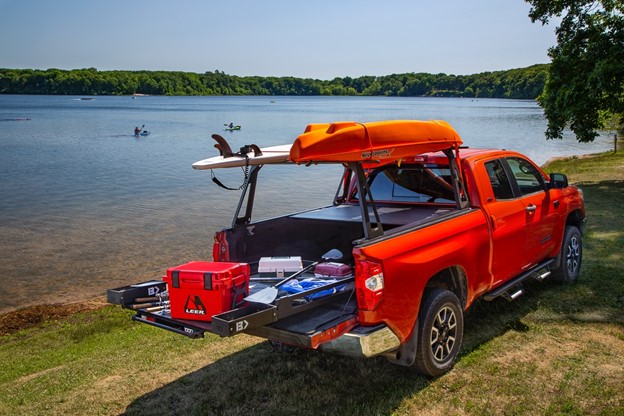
column 575, row 218
column 453, row 279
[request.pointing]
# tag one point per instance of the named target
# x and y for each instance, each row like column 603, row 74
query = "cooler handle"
column 175, row 279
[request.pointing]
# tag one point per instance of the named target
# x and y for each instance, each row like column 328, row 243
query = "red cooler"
column 200, row 289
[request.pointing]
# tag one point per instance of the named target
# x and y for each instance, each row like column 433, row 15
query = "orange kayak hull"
column 372, row 142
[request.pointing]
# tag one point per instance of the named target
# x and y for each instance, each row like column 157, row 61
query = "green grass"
column 558, row 350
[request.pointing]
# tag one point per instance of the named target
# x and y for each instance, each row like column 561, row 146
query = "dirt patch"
column 32, row 316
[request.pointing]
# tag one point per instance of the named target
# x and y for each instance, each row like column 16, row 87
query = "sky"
column 320, row 39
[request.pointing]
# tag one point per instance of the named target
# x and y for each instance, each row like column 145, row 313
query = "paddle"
column 269, row 294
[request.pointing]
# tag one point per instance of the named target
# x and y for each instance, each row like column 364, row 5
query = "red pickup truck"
column 425, row 227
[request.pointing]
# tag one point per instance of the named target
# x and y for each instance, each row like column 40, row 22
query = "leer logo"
column 197, row 308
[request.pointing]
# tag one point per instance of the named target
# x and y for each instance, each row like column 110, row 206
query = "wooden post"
column 615, row 139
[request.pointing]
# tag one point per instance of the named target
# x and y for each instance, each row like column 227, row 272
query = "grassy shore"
column 558, row 350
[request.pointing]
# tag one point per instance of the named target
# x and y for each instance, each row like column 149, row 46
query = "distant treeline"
column 525, row 83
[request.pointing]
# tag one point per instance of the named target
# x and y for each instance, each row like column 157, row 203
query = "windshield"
column 426, row 183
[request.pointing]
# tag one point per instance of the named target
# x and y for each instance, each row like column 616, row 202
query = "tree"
column 525, row 83
column 585, row 83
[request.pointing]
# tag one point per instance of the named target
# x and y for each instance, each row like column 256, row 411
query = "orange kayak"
column 371, row 142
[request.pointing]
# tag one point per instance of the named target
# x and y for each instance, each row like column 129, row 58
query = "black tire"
column 440, row 332
column 571, row 256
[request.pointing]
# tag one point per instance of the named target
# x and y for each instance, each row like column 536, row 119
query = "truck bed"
column 298, row 319
column 311, row 233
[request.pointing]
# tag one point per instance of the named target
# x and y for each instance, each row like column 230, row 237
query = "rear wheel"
column 441, row 329
column 571, row 256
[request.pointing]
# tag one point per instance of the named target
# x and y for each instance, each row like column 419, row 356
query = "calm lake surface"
column 86, row 206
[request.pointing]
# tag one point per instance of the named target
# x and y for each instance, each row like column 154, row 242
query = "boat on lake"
column 232, row 127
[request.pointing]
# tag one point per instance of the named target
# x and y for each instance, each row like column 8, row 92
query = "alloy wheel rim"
column 443, row 334
column 573, row 255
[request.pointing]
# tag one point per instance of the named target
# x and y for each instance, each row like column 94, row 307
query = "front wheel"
column 571, row 256
column 441, row 329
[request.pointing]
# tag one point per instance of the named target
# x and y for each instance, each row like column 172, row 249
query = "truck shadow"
column 259, row 381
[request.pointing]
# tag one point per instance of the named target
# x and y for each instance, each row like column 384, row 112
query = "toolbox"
column 199, row 289
column 282, row 266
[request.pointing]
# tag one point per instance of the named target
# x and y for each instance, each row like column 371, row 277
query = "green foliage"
column 586, row 77
column 526, row 83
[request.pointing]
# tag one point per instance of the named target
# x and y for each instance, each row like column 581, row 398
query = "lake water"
column 86, row 206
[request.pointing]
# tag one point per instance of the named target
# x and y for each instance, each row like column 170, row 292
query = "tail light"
column 369, row 284
column 220, row 249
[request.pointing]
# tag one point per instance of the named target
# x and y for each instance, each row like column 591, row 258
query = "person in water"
column 137, row 131
column 231, row 125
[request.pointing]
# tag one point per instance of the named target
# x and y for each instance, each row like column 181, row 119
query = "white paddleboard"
column 272, row 154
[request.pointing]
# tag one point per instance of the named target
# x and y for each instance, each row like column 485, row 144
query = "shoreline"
column 32, row 316
column 581, row 156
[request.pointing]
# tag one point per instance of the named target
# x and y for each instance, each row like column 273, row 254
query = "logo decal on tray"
column 242, row 325
column 194, row 307
column 153, row 291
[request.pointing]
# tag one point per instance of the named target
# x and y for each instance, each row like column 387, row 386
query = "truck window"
column 527, row 176
column 499, row 180
column 422, row 183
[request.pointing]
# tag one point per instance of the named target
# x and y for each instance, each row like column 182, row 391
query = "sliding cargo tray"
column 255, row 315
column 312, row 327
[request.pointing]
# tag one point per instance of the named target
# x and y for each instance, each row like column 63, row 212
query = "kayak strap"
column 224, row 148
column 245, row 179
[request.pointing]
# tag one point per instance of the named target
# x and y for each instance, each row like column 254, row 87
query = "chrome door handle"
column 531, row 208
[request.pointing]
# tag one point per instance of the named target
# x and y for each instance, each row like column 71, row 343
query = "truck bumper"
column 364, row 342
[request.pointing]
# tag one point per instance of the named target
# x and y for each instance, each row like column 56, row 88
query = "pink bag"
column 334, row 270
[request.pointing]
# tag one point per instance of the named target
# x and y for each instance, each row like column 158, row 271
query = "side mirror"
column 558, row 181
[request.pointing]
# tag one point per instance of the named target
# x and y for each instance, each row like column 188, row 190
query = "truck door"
column 540, row 211
column 507, row 219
